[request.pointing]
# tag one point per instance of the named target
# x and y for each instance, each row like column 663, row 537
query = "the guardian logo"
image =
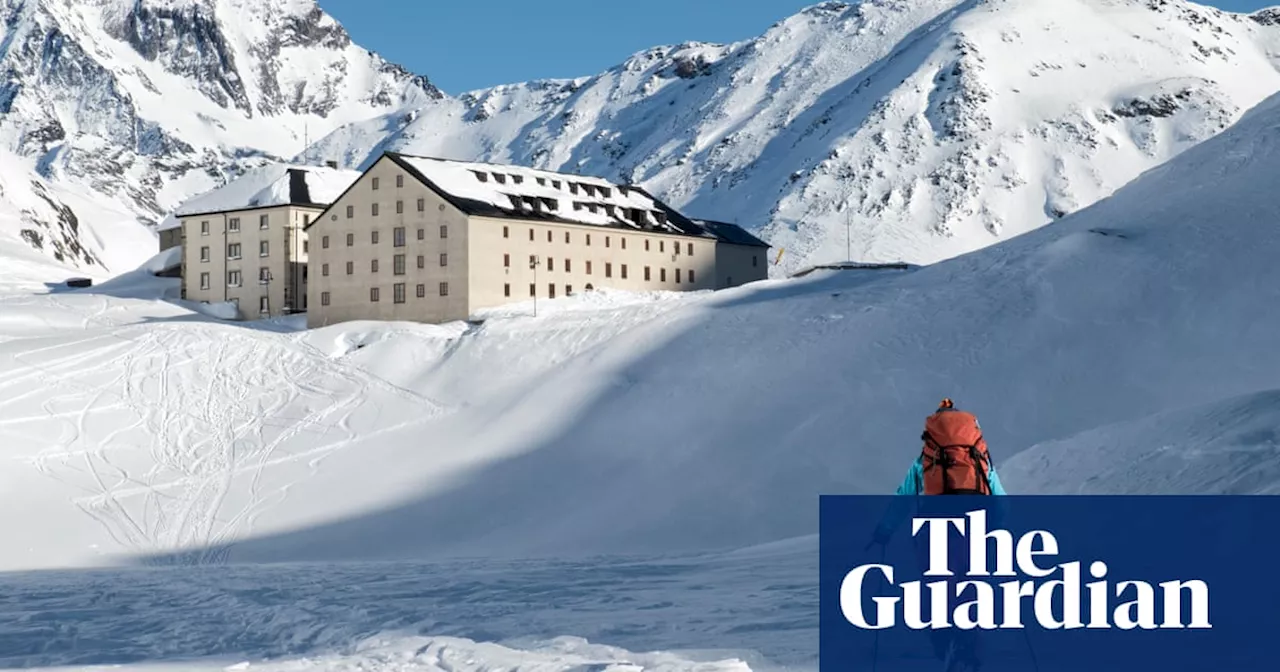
column 1055, row 603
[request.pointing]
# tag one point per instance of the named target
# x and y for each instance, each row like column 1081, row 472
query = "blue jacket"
column 913, row 484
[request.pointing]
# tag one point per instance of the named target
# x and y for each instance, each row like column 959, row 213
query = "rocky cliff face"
column 128, row 106
column 882, row 130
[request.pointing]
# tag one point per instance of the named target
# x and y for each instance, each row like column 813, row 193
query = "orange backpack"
column 955, row 458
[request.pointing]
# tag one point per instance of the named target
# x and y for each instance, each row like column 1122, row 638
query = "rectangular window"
column 306, row 220
column 400, row 209
column 233, row 224
column 373, row 266
column 551, row 264
column 755, row 261
column 662, row 275
column 506, row 261
column 324, row 270
column 568, row 266
column 568, row 290
column 422, row 234
column 397, row 293
column 399, row 181
column 506, row 233
column 588, row 240
column 422, row 291
column 623, row 242
column 397, row 236
column 551, row 291
column 351, row 268
column 624, row 271
column 397, row 265
column 444, row 259
column 373, row 294
column 422, row 205
column 375, row 184
column 204, row 228
column 324, row 242
column 264, row 275
column 422, row 261
column 530, row 234
column 607, row 240
column 646, row 274
column 233, row 251
column 548, row 236
column 566, row 236
column 588, row 268
column 204, row 253
column 264, row 248
column 306, row 246
column 533, row 289
column 263, row 304
column 351, row 239
column 233, row 278
column 646, row 245
column 444, row 231
column 324, row 298
column 608, row 270
column 691, row 280
column 690, row 249
column 374, row 209
column 677, row 276
column 204, row 281
column 373, row 236
column 444, row 289
column 263, row 222
column 506, row 289
column 662, row 246
column 351, row 211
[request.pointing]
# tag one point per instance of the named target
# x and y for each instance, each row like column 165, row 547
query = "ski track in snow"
column 176, row 407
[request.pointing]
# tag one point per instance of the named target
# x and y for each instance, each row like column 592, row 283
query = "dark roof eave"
column 226, row 211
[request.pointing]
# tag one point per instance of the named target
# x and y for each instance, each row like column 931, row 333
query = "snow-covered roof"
column 273, row 185
column 170, row 221
column 515, row 191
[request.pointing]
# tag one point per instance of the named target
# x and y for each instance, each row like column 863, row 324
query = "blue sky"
column 462, row 45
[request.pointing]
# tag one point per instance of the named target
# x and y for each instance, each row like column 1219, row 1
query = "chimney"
column 331, row 164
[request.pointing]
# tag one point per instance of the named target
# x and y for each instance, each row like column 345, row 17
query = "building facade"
column 255, row 259
column 429, row 240
column 245, row 243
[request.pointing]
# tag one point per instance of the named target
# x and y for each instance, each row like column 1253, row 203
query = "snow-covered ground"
column 596, row 470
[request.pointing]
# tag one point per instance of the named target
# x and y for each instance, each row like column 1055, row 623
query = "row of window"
column 397, row 237
column 233, row 224
column 234, row 277
column 608, row 241
column 397, row 265
column 567, row 265
column 397, row 293
column 375, row 209
column 234, row 250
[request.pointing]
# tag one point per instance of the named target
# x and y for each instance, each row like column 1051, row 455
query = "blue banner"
column 1049, row 584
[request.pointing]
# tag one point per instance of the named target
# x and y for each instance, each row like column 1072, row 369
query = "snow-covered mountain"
column 885, row 129
column 114, row 111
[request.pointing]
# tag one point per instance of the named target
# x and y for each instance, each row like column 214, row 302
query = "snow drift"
column 718, row 423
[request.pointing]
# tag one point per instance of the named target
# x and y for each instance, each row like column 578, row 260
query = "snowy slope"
column 623, row 423
column 930, row 128
column 114, row 111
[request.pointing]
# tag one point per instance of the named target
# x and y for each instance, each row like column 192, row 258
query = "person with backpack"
column 954, row 460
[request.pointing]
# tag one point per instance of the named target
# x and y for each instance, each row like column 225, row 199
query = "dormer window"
column 604, row 191
column 551, row 203
column 499, row 178
column 592, row 208
column 608, row 209
column 542, row 181
column 483, row 177
column 573, row 188
column 517, row 179
column 516, row 202
column 577, row 206
column 660, row 216
column 588, row 190
column 555, row 184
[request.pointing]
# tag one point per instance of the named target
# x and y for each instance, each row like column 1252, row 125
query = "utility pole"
column 848, row 236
